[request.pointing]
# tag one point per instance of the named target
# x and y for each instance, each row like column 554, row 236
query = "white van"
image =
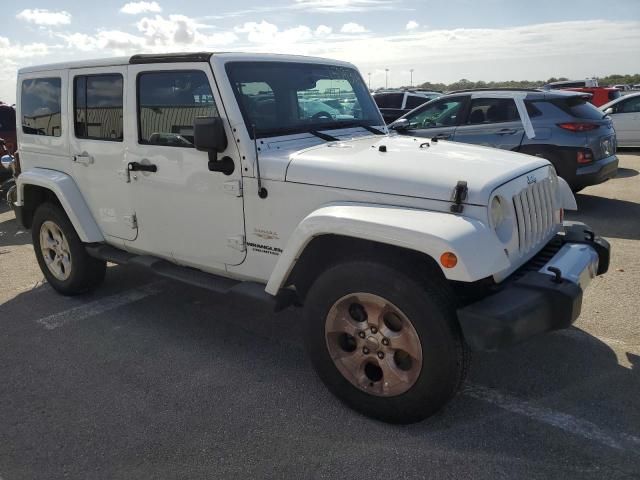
column 275, row 177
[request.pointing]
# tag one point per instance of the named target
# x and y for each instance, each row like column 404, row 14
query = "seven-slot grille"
column 534, row 214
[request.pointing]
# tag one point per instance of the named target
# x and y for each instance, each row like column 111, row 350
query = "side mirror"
column 400, row 124
column 7, row 161
column 608, row 111
column 209, row 136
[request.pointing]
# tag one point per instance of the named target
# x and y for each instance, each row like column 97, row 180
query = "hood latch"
column 459, row 195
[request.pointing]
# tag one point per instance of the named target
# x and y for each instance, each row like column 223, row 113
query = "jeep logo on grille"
column 531, row 179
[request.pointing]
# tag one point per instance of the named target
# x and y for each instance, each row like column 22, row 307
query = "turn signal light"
column 448, row 260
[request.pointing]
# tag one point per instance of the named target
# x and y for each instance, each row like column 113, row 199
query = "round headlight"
column 501, row 218
column 497, row 212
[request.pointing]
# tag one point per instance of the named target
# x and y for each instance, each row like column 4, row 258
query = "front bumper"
column 538, row 301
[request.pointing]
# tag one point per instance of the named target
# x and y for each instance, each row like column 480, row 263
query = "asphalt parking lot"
column 148, row 378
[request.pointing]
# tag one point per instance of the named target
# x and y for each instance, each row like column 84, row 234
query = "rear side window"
column 168, row 103
column 414, row 101
column 578, row 107
column 389, row 100
column 493, row 110
column 613, row 94
column 98, row 107
column 40, row 106
column 7, row 119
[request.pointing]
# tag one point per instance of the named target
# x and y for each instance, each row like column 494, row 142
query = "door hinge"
column 131, row 220
column 237, row 242
column 233, row 187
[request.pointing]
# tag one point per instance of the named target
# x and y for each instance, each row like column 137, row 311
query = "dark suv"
column 393, row 104
column 561, row 126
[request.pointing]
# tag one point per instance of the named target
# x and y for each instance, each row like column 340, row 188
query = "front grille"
column 534, row 214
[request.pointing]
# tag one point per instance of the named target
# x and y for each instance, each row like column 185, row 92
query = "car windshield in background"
column 280, row 98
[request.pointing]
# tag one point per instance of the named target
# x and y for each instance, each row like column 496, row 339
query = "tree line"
column 465, row 84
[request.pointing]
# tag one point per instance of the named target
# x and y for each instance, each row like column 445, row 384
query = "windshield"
column 281, row 97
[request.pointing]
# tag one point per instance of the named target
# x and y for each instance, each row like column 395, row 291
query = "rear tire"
column 407, row 318
column 65, row 263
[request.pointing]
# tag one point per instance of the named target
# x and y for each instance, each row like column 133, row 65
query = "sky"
column 441, row 41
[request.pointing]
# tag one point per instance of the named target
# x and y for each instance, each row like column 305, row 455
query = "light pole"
column 369, row 80
column 386, row 78
column 411, row 72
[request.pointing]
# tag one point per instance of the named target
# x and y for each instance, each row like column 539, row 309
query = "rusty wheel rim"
column 373, row 344
column 55, row 250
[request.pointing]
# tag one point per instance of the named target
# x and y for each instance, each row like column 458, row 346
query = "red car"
column 599, row 95
column 8, row 126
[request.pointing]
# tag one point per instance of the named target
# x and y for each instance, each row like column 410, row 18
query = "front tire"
column 65, row 263
column 385, row 341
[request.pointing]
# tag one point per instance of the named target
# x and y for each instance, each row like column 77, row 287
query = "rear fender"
column 478, row 250
column 69, row 196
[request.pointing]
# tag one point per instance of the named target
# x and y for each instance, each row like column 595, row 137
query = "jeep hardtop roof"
column 179, row 58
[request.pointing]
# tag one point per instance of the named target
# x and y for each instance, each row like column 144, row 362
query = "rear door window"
column 98, row 107
column 414, row 101
column 40, row 106
column 492, row 110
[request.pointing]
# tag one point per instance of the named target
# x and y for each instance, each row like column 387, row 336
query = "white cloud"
column 44, row 17
column 136, row 8
column 266, row 33
column 352, row 27
column 323, row 30
column 338, row 6
column 412, row 25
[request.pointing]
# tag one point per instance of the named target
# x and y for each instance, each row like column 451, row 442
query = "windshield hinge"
column 233, row 188
column 131, row 220
column 459, row 195
column 237, row 243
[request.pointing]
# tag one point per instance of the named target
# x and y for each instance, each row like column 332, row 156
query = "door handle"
column 442, row 136
column 141, row 167
column 506, row 131
column 83, row 158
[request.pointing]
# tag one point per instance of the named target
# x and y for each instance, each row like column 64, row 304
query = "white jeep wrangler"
column 275, row 177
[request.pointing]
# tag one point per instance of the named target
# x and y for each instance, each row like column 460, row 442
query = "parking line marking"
column 97, row 307
column 564, row 421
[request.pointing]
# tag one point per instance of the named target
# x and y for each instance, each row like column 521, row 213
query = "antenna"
column 262, row 192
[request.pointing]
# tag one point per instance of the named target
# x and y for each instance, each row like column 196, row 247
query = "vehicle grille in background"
column 534, row 214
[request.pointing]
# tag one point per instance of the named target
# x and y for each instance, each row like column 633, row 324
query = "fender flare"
column 565, row 196
column 70, row 197
column 428, row 232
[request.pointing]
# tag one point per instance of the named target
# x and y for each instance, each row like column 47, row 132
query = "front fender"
column 68, row 193
column 478, row 250
column 565, row 195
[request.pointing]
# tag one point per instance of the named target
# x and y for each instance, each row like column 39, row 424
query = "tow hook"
column 558, row 274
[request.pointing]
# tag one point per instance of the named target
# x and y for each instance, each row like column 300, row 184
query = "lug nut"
column 374, row 330
column 361, row 335
column 380, row 355
column 385, row 341
column 365, row 350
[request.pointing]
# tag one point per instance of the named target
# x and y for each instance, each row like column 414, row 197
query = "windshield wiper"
column 371, row 129
column 323, row 136
column 361, row 125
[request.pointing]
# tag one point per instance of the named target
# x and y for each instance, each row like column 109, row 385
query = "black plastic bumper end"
column 532, row 305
